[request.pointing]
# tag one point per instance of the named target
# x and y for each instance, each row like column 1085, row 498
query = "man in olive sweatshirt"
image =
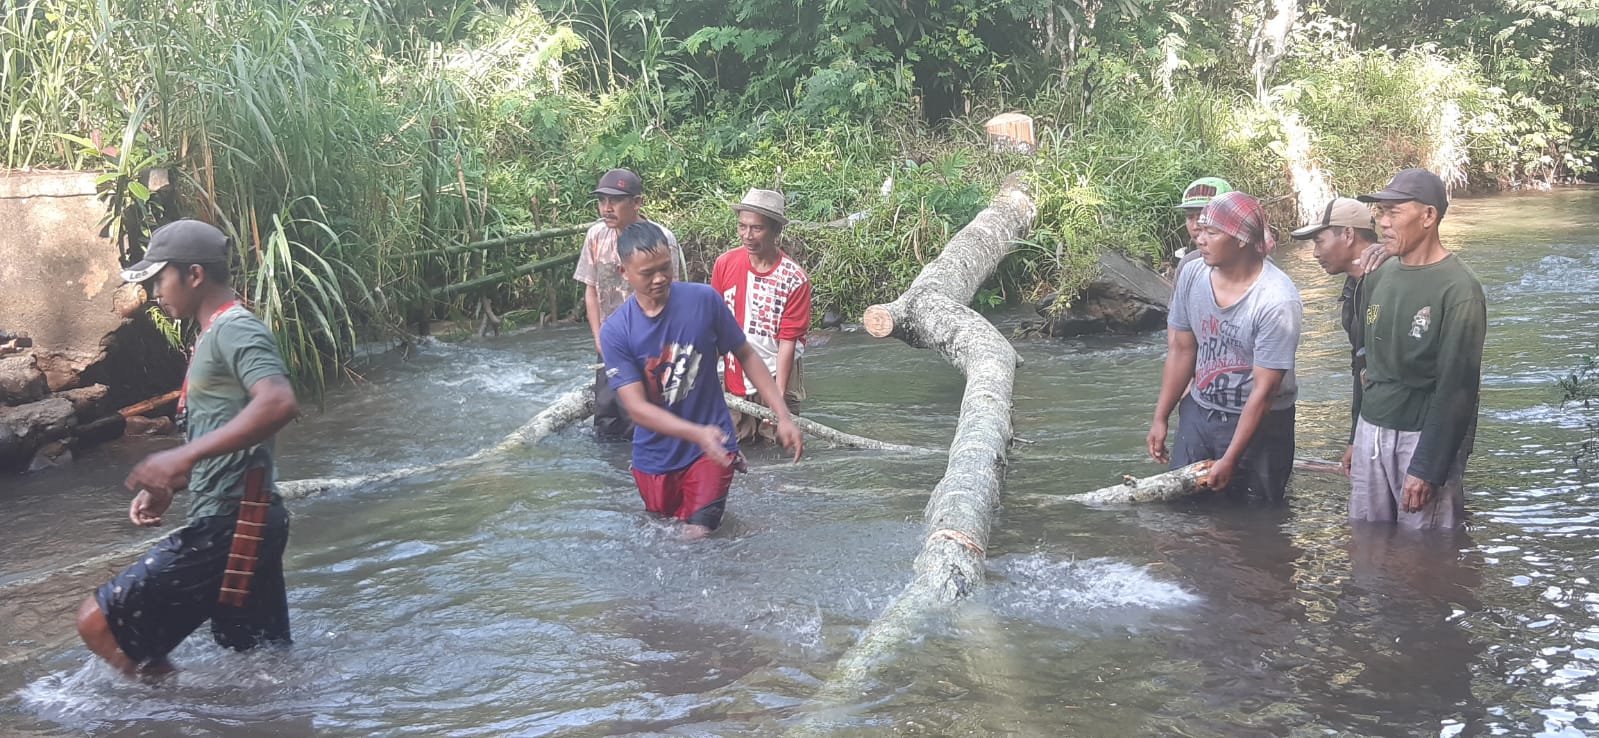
column 1425, row 320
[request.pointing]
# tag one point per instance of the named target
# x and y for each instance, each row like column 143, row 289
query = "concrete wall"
column 58, row 279
column 56, row 272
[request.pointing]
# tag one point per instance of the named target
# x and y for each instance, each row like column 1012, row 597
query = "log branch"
column 826, row 433
column 567, row 409
column 1172, row 485
column 1176, row 484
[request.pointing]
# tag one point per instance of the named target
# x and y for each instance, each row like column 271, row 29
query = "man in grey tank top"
column 1233, row 330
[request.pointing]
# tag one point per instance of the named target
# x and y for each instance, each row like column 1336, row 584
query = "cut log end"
column 879, row 321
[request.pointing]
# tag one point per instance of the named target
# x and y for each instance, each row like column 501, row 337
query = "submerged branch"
column 826, row 433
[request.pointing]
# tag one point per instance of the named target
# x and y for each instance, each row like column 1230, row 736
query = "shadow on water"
column 531, row 596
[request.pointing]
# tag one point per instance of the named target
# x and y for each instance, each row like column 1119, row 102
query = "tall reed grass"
column 326, row 158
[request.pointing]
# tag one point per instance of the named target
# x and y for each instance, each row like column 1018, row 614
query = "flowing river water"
column 532, row 596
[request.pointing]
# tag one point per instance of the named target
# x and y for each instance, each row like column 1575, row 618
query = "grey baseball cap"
column 186, row 241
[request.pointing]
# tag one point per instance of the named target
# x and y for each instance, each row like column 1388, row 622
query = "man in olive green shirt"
column 1425, row 321
column 236, row 397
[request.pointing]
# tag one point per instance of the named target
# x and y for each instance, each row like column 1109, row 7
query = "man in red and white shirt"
column 770, row 296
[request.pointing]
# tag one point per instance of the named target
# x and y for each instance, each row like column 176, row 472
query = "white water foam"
column 211, row 683
column 1036, row 585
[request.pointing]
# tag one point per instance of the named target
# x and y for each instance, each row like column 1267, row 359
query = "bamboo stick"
column 504, row 275
column 154, row 403
column 521, row 238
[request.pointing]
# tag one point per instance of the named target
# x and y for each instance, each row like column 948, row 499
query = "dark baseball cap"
column 1415, row 184
column 619, row 182
column 185, row 241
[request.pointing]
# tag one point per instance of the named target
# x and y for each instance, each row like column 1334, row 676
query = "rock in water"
column 1124, row 297
column 27, row 428
column 21, row 382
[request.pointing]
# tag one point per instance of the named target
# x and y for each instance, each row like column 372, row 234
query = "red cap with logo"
column 619, row 182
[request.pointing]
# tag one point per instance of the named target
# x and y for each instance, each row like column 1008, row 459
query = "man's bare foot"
column 695, row 532
column 156, row 672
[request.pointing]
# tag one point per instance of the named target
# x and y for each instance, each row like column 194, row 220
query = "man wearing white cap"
column 770, row 296
column 1343, row 233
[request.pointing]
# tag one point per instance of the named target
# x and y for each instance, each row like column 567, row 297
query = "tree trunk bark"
column 933, row 313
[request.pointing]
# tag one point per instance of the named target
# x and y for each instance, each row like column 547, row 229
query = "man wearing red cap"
column 1426, row 319
column 620, row 195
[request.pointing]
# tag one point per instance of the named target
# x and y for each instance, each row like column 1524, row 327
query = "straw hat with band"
column 764, row 202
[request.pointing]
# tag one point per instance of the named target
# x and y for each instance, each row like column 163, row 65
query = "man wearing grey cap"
column 620, row 196
column 1341, row 236
column 1425, row 322
column 226, row 564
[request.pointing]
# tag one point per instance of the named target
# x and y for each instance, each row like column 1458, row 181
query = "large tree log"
column 933, row 313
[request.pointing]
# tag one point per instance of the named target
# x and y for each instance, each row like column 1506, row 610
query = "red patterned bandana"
column 1240, row 216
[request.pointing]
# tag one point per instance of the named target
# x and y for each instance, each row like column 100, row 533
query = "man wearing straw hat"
column 226, row 564
column 770, row 296
column 1232, row 331
column 620, row 196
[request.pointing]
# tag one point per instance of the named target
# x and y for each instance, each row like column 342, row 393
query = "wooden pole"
column 515, row 240
column 564, row 411
column 823, row 432
column 1188, row 481
column 504, row 275
column 154, row 403
column 933, row 312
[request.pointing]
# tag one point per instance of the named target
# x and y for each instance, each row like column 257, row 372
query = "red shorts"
column 695, row 494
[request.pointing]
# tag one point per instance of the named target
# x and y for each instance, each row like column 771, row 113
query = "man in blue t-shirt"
column 661, row 351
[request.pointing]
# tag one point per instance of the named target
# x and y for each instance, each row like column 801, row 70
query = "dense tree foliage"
column 344, row 143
